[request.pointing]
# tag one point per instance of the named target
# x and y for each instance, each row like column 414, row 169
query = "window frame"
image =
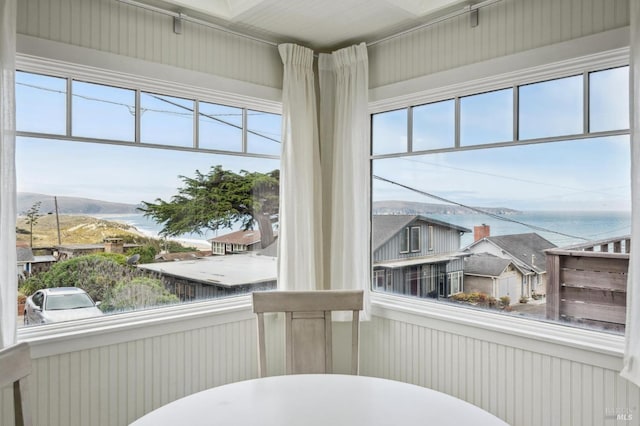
column 405, row 240
column 151, row 78
column 411, row 239
column 582, row 56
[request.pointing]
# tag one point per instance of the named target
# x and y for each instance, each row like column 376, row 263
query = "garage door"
column 510, row 286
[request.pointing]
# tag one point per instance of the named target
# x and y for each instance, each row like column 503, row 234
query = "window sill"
column 589, row 346
column 52, row 339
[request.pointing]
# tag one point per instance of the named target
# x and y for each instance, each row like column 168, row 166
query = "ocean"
column 561, row 228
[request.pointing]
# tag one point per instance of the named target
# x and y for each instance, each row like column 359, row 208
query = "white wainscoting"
column 133, row 364
column 525, row 381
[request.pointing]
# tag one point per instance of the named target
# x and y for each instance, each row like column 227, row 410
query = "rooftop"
column 227, row 271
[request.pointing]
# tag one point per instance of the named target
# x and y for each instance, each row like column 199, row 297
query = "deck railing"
column 587, row 283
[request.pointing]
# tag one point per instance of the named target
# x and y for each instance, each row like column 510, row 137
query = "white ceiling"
column 319, row 24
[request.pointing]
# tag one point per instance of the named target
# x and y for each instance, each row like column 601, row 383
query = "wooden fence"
column 587, row 283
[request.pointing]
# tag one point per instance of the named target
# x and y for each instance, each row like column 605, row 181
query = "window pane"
column 93, row 105
column 264, row 133
column 389, row 132
column 41, row 103
column 525, row 199
column 166, row 120
column 220, row 127
column 609, row 100
column 434, row 126
column 115, row 182
column 551, row 108
column 486, row 118
column 415, row 238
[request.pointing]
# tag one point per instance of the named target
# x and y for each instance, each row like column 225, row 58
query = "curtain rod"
column 182, row 16
column 466, row 9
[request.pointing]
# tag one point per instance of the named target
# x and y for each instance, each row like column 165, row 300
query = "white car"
column 59, row 304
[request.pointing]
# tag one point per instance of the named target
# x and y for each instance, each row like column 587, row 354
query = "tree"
column 217, row 200
column 33, row 214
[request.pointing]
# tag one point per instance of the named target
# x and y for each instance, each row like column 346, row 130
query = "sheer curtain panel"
column 344, row 84
column 300, row 231
column 8, row 261
column 631, row 370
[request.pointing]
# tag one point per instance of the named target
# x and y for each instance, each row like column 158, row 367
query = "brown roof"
column 246, row 238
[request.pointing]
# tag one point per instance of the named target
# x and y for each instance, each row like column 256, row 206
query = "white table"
column 323, row 399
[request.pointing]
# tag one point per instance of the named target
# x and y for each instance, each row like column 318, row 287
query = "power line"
column 477, row 210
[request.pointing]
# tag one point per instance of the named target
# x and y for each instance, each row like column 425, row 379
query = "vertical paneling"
column 115, row 27
column 116, row 384
column 504, row 28
column 520, row 386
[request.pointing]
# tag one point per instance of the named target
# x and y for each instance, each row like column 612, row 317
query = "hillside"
column 72, row 205
column 74, row 230
column 416, row 208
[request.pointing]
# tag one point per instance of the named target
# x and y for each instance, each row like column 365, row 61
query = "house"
column 526, row 251
column 417, row 255
column 236, row 242
column 173, row 257
column 28, row 263
column 110, row 245
column 493, row 275
column 216, row 276
column 527, row 372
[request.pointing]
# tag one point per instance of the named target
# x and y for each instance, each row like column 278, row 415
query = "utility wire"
column 131, row 109
column 477, row 210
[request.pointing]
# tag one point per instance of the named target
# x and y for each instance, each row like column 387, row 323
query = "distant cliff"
column 72, row 205
column 415, row 208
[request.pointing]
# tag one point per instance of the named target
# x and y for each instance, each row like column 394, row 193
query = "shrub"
column 140, row 292
column 147, row 253
column 524, row 299
column 505, row 301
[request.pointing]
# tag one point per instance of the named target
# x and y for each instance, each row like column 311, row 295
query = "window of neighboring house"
column 431, row 237
column 415, row 239
column 90, row 155
column 544, row 164
column 404, row 240
column 379, row 279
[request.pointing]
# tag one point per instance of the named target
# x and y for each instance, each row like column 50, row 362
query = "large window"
column 507, row 182
column 134, row 195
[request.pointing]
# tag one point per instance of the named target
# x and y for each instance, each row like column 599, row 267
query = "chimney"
column 114, row 245
column 480, row 232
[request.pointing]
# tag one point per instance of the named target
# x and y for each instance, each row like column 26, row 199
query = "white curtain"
column 344, row 123
column 8, row 263
column 300, row 232
column 631, row 370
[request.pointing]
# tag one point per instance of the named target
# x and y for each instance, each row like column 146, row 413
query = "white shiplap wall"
column 549, row 385
column 505, row 28
column 114, row 27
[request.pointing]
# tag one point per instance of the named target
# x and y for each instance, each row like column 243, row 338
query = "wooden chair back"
column 308, row 337
column 15, row 367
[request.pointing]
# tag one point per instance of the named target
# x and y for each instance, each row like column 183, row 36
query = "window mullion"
column 516, row 113
column 585, row 103
column 137, row 117
column 196, row 124
column 410, row 129
column 69, row 107
column 457, row 122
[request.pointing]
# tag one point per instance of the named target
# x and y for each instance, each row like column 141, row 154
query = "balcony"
column 587, row 283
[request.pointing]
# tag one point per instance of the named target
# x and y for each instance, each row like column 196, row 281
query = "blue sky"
column 588, row 174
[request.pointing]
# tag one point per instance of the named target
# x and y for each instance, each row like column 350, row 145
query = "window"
column 415, row 239
column 106, row 193
column 404, row 241
column 530, row 171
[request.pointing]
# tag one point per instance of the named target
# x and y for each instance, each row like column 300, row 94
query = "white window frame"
column 406, row 233
column 419, row 238
column 44, row 57
column 591, row 53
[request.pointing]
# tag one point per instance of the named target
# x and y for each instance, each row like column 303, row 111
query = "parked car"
column 59, row 304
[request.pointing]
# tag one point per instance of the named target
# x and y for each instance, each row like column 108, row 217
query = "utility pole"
column 55, row 201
